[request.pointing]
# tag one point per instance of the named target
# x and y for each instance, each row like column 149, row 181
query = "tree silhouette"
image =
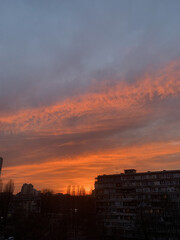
column 5, row 200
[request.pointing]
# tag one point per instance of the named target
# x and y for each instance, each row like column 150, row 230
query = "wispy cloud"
column 107, row 102
column 113, row 125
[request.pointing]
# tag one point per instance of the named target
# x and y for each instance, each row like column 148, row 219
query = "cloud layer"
column 110, row 126
column 88, row 88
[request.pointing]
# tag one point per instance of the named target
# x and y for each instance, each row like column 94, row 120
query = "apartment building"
column 142, row 205
column 28, row 199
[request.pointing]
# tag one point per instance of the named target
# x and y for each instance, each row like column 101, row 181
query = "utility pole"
column 1, row 162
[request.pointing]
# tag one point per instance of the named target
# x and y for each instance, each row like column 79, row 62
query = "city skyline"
column 88, row 88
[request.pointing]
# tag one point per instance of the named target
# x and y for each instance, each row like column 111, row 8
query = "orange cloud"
column 91, row 121
column 106, row 102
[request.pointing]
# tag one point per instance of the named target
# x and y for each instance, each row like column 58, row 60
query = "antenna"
column 1, row 162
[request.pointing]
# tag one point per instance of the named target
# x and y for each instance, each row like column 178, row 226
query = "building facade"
column 135, row 205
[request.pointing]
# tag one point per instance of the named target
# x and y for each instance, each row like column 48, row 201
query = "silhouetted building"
column 1, row 162
column 134, row 205
column 28, row 199
column 27, row 189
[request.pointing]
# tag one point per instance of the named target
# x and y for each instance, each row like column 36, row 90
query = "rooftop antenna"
column 1, row 162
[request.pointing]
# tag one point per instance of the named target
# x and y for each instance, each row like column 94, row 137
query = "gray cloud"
column 53, row 50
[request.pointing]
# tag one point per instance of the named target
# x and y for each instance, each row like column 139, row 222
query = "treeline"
column 55, row 216
column 61, row 216
column 6, row 197
column 76, row 190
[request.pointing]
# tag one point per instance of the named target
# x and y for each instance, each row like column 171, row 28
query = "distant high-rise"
column 27, row 189
column 1, row 162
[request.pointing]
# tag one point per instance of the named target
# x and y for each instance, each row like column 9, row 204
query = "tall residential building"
column 28, row 189
column 138, row 206
column 28, row 199
column 1, row 162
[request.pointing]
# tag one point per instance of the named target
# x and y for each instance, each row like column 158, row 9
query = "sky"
column 88, row 88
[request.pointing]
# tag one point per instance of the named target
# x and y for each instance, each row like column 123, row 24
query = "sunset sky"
column 88, row 88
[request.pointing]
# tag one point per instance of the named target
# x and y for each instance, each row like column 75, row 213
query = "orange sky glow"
column 112, row 126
